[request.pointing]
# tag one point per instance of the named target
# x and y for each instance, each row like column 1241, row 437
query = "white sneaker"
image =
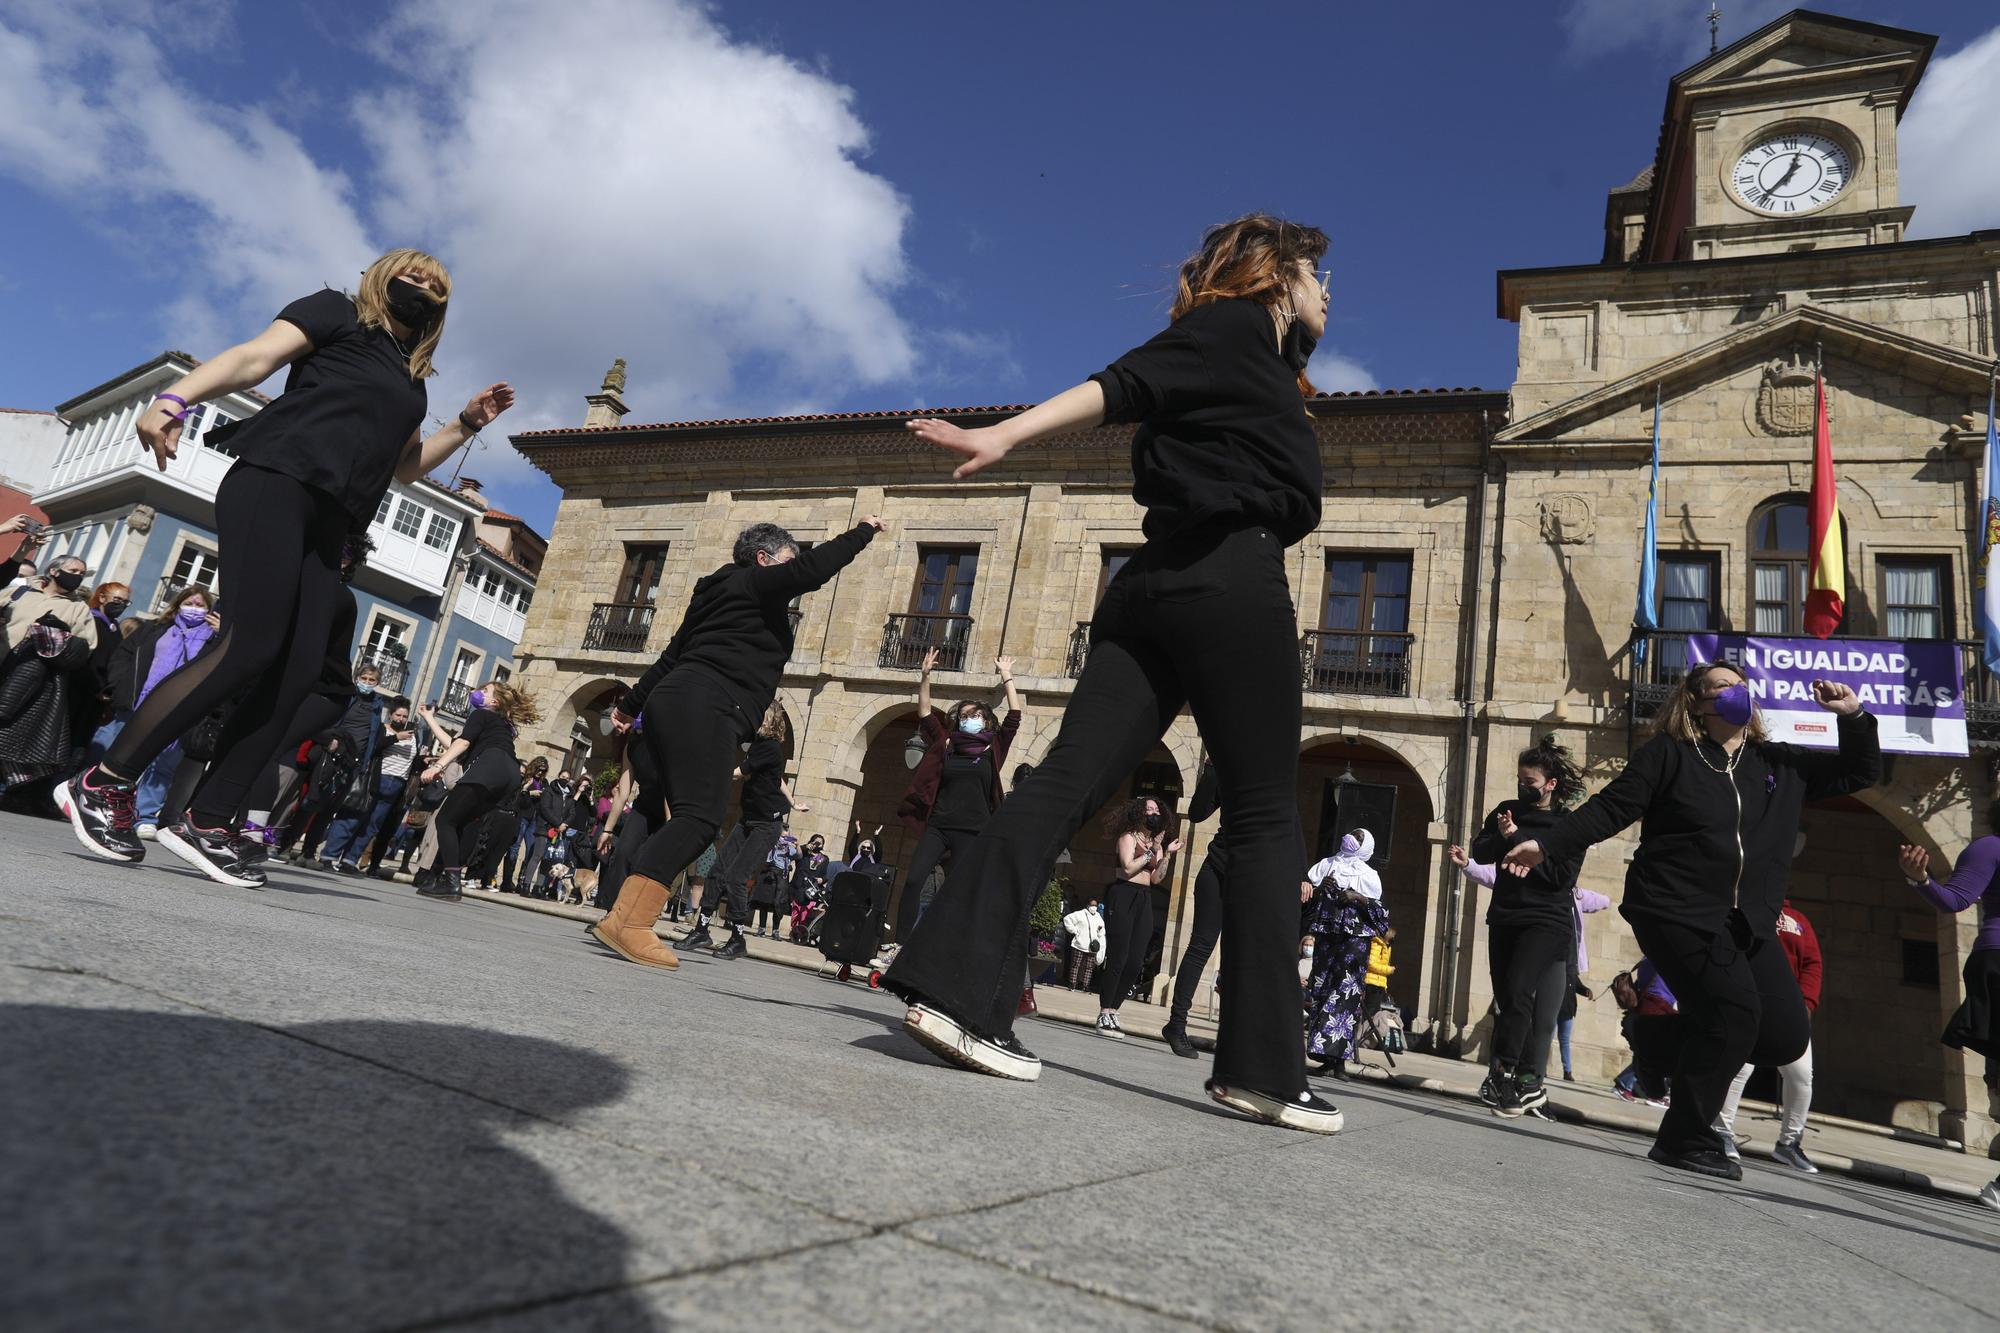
column 1314, row 1115
column 1107, row 1026
column 945, row 1036
column 148, row 831
column 1990, row 1196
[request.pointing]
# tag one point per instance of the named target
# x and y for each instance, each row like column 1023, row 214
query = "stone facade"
column 1521, row 517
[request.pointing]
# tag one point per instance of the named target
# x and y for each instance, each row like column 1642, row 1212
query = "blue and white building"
column 432, row 595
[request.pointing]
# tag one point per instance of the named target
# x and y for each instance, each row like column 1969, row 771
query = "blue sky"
column 771, row 206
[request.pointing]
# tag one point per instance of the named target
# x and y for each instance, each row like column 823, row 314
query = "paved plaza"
column 331, row 1104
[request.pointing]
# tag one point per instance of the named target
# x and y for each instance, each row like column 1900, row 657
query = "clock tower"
column 1782, row 142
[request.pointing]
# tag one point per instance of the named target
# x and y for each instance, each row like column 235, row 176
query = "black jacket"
column 553, row 810
column 1703, row 847
column 1544, row 895
column 131, row 659
column 738, row 623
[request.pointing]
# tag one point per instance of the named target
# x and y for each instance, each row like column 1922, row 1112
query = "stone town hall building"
column 1471, row 585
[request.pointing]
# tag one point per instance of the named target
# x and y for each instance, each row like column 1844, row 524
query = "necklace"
column 1728, row 770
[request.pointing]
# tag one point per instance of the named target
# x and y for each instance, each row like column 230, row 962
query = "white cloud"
column 1676, row 28
column 1947, row 155
column 604, row 178
column 1331, row 372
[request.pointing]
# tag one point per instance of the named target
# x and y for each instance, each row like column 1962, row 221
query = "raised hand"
column 930, row 661
column 980, row 448
column 489, row 403
column 1916, row 863
column 1835, row 697
column 1522, row 858
column 1458, row 856
column 1508, row 828
column 1005, row 666
column 877, row 522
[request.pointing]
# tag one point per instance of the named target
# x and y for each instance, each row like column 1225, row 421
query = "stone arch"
column 1412, row 758
column 847, row 763
column 1182, row 744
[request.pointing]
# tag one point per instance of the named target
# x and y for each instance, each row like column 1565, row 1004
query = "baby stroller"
column 1382, row 1030
column 857, row 912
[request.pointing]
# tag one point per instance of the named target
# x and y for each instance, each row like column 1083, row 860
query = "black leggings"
column 466, row 804
column 1529, row 965
column 280, row 559
column 692, row 729
column 932, row 848
column 1739, row 1004
column 1207, row 929
column 315, row 717
column 1203, row 623
column 1128, row 928
column 743, row 854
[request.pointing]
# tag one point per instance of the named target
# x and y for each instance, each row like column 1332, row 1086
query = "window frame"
column 1946, row 607
column 954, row 554
column 1366, row 612
column 1798, row 568
column 627, row 592
column 378, row 615
column 406, row 506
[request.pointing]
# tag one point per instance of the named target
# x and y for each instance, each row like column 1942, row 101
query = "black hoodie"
column 1544, row 895
column 738, row 623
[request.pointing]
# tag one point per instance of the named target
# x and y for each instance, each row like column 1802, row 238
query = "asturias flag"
column 1826, row 587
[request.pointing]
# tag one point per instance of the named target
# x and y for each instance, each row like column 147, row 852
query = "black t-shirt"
column 763, row 770
column 347, row 412
column 964, row 801
column 1224, row 442
column 486, row 732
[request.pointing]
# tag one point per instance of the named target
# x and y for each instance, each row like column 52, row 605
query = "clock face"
column 1791, row 173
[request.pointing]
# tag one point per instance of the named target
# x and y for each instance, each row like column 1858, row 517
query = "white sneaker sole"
column 191, row 854
column 69, row 808
column 940, row 1035
column 1112, row 1033
column 1274, row 1112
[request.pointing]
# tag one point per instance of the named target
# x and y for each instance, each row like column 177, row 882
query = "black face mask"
column 1154, row 823
column 1297, row 347
column 413, row 307
column 1530, row 793
column 116, row 609
column 68, row 580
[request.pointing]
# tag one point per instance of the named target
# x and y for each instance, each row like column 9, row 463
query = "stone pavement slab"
column 331, row 1104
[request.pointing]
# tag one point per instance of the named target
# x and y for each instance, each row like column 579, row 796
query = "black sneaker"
column 946, row 1036
column 1489, row 1088
column 1530, row 1092
column 214, row 852
column 1702, row 1161
column 698, row 938
column 1313, row 1114
column 733, row 947
column 445, row 884
column 101, row 814
column 1177, row 1041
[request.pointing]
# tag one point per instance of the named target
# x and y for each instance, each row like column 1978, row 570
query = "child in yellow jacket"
column 1378, row 962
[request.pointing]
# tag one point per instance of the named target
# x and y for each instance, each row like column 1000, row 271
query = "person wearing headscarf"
column 1343, row 914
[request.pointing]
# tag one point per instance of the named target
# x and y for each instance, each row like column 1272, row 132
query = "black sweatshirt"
column 1224, row 441
column 1543, row 896
column 1687, row 867
column 738, row 624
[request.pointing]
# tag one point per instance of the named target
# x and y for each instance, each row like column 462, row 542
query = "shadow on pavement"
column 179, row 1171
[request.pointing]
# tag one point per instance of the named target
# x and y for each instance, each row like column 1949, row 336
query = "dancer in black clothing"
column 716, row 677
column 766, row 800
column 638, row 809
column 1207, row 928
column 311, row 467
column 1227, row 467
column 1530, row 932
column 1146, row 848
column 485, row 753
column 1720, row 808
column 956, row 787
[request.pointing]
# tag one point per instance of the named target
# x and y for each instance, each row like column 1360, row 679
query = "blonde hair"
column 517, row 706
column 372, row 300
column 775, row 726
column 1676, row 717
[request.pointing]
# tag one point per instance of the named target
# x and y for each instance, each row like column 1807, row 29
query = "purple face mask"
column 1732, row 704
column 477, row 698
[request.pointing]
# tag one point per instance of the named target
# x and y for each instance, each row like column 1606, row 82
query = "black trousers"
column 1207, row 929
column 280, row 559
column 743, row 853
column 634, row 827
column 314, row 716
column 1128, row 926
column 692, row 728
column 1739, row 1004
column 465, row 805
column 1529, row 965
column 932, row 848
column 1204, row 623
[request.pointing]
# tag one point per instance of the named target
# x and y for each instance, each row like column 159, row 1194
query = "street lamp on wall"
column 914, row 749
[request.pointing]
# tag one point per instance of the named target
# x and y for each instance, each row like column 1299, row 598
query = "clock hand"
column 1790, row 172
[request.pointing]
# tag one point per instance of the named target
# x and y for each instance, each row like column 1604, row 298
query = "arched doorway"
column 1875, row 1037
column 1343, row 785
column 591, row 747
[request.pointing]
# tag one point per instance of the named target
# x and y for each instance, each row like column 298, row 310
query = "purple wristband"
column 172, row 398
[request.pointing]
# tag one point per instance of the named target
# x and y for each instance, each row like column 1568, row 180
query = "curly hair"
column 516, row 705
column 1130, row 817
column 766, row 537
column 1553, row 761
column 775, row 726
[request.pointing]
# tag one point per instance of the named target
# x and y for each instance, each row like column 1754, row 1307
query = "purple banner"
column 1914, row 688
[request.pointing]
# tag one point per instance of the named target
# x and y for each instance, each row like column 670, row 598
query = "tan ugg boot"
column 627, row 929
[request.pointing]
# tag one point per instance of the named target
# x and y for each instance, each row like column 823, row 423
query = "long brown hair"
column 775, row 726
column 516, row 705
column 1256, row 256
column 1676, row 717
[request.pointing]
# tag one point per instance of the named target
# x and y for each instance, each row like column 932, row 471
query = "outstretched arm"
column 1005, row 666
column 1077, row 408
column 241, row 367
column 423, row 453
column 924, row 683
column 811, row 569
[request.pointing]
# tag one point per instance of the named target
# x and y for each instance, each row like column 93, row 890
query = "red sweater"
column 1802, row 949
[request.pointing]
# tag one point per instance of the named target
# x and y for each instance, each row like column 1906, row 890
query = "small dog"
column 572, row 886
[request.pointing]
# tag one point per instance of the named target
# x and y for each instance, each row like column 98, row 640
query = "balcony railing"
column 906, row 638
column 1356, row 662
column 392, row 666
column 456, row 701
column 1079, row 649
column 619, row 627
column 1667, row 663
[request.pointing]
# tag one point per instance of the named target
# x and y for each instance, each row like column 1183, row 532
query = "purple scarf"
column 175, row 649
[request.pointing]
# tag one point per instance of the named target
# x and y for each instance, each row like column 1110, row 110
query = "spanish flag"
column 1826, row 588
